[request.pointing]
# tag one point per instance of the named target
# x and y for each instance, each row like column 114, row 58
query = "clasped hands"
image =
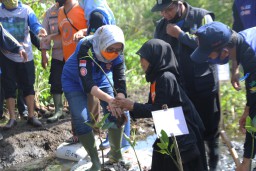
column 118, row 105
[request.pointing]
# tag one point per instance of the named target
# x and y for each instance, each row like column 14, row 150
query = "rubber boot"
column 57, row 100
column 115, row 137
column 127, row 131
column 213, row 154
column 115, row 154
column 88, row 141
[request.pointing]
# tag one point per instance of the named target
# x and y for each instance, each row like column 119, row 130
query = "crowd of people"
column 179, row 62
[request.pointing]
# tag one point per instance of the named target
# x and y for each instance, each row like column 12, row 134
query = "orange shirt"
column 76, row 17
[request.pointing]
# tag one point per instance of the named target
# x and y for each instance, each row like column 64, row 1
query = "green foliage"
column 250, row 124
column 167, row 149
column 132, row 141
column 134, row 73
column 221, row 9
column 41, row 86
column 232, row 105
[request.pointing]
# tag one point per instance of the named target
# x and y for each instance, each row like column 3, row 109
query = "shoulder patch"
column 83, row 71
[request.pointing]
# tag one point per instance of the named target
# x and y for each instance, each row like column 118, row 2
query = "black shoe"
column 34, row 122
column 11, row 123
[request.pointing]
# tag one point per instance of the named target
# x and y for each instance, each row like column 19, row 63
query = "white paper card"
column 172, row 121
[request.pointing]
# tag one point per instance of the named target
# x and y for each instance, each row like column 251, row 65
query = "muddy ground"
column 25, row 143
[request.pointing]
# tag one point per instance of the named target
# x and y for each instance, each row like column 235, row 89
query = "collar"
column 19, row 5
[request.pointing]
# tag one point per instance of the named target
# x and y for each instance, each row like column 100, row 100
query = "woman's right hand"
column 114, row 109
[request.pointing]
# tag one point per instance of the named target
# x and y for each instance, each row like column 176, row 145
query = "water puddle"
column 143, row 150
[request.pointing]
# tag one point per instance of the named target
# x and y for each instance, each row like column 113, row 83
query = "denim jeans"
column 78, row 107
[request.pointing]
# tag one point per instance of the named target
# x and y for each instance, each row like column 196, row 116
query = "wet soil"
column 24, row 143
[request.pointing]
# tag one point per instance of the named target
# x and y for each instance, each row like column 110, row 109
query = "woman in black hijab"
column 161, row 69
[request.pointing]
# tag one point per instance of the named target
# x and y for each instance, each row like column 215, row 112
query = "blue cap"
column 211, row 36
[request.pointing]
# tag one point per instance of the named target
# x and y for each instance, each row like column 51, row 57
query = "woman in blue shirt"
column 82, row 75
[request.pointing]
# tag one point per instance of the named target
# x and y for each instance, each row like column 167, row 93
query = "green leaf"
column 162, row 152
column 89, row 124
column 163, row 146
column 107, row 125
column 164, row 136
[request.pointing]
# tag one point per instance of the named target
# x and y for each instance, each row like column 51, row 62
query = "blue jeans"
column 79, row 111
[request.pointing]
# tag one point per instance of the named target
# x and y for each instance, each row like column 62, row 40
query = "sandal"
column 72, row 140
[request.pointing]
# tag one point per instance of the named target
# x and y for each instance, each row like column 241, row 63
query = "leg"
column 56, row 89
column 9, row 86
column 22, row 107
column 1, row 99
column 26, row 80
column 94, row 107
column 78, row 107
column 209, row 112
column 127, row 131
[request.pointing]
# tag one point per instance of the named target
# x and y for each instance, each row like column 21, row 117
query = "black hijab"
column 161, row 58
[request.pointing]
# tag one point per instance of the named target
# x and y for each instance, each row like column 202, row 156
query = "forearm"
column 95, row 91
column 8, row 42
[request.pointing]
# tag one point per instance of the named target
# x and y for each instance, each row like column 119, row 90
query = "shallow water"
column 226, row 163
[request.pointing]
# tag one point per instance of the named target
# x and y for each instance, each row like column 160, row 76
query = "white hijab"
column 104, row 37
column 91, row 5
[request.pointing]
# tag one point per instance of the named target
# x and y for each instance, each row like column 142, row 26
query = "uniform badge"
column 83, row 71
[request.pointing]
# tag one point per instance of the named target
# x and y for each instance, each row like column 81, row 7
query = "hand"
column 245, row 165
column 79, row 35
column 23, row 55
column 115, row 111
column 235, row 81
column 46, row 39
column 242, row 120
column 45, row 57
column 124, row 103
column 42, row 33
column 173, row 30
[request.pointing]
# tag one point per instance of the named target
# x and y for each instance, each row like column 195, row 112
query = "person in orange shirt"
column 70, row 20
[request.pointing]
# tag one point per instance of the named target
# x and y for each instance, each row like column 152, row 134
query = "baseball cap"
column 161, row 4
column 210, row 36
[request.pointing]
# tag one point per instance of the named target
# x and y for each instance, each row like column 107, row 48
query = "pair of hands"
column 118, row 105
column 47, row 40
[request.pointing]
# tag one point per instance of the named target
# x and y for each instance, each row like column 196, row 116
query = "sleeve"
column 237, row 23
column 85, row 66
column 190, row 39
column 35, row 40
column 96, row 20
column 119, row 78
column 45, row 24
column 167, row 92
column 33, row 22
column 8, row 42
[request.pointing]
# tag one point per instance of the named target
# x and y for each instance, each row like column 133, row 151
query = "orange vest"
column 153, row 92
column 76, row 17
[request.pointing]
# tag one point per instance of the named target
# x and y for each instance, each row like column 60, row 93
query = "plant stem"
column 103, row 72
column 177, row 152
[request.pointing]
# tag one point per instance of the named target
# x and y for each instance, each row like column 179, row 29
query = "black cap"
column 161, row 4
column 210, row 36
